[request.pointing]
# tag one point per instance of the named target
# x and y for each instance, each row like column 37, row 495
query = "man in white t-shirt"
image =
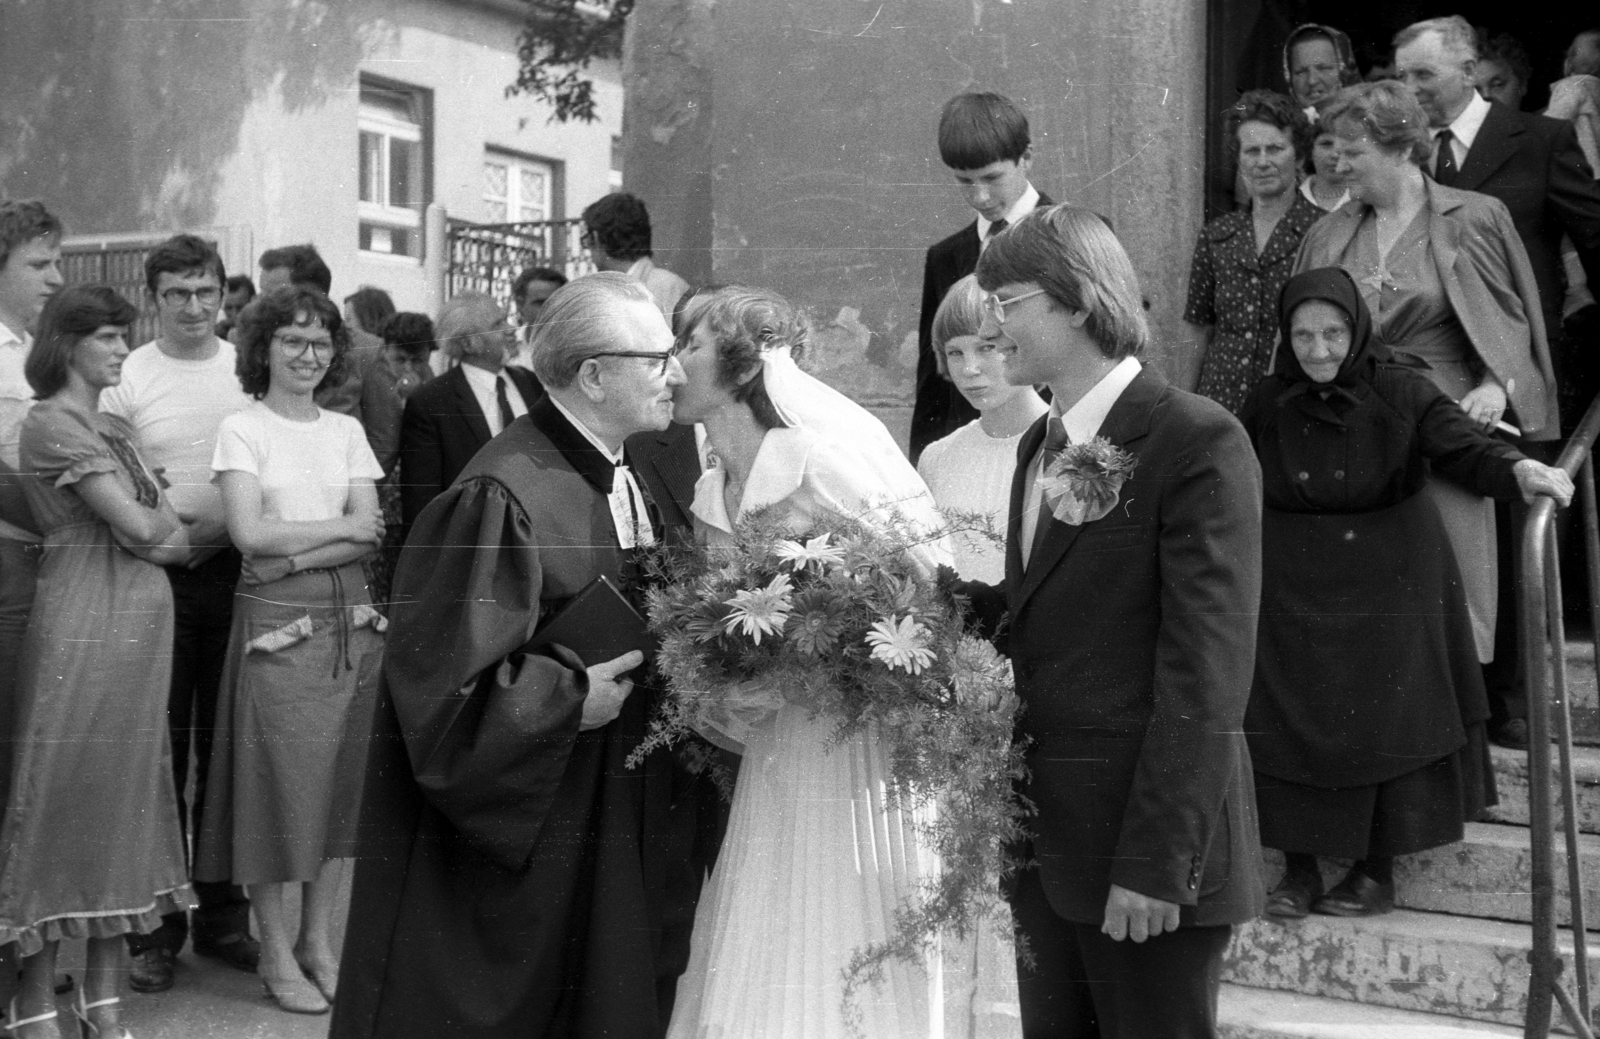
column 30, row 273
column 175, row 391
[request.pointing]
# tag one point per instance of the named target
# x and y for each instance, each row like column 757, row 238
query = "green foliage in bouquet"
column 842, row 620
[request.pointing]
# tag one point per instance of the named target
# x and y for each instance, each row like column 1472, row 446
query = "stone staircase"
column 1452, row 960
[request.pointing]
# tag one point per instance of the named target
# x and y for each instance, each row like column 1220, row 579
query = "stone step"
column 1429, row 963
column 1252, row 1013
column 1486, row 875
column 1511, row 780
column 1583, row 692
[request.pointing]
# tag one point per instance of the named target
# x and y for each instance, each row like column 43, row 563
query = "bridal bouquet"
column 840, row 619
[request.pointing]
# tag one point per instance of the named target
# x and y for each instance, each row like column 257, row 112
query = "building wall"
column 128, row 116
column 825, row 178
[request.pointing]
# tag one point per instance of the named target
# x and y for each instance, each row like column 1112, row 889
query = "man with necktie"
column 983, row 139
column 1132, row 624
column 1534, row 165
column 447, row 420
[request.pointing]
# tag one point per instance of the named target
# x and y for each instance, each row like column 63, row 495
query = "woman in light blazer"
column 1446, row 279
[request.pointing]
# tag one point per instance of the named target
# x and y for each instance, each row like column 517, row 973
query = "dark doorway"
column 1245, row 50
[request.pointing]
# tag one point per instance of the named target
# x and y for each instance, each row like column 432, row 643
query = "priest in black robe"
column 517, row 878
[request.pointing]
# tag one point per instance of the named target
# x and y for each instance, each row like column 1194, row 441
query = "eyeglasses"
column 208, row 297
column 995, row 307
column 296, row 347
column 661, row 359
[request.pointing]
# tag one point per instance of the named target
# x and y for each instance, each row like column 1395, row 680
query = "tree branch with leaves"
column 559, row 39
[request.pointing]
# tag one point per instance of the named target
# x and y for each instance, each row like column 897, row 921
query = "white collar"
column 777, row 472
column 1465, row 126
column 10, row 338
column 641, row 268
column 1084, row 419
column 481, row 378
column 577, row 422
column 1019, row 209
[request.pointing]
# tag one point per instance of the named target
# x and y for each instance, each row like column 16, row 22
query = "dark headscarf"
column 1331, row 285
column 1349, row 71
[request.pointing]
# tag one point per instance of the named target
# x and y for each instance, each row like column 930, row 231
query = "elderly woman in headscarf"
column 1318, row 62
column 1366, row 717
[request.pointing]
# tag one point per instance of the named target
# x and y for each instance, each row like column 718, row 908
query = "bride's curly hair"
column 745, row 323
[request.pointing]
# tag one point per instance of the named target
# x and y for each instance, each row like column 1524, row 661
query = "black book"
column 598, row 624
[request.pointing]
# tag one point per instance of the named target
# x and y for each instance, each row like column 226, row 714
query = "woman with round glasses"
column 297, row 696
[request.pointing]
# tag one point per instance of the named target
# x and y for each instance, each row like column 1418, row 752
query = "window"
column 516, row 190
column 393, row 189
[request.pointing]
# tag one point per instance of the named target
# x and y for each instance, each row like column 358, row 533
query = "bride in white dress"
column 815, row 861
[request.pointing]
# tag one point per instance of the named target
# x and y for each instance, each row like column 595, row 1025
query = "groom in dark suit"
column 984, row 140
column 1132, row 633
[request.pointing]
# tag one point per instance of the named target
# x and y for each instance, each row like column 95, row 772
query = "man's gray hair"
column 463, row 318
column 1455, row 32
column 580, row 319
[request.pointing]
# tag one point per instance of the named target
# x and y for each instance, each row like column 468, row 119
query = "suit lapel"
column 527, row 384
column 669, row 465
column 1444, row 235
column 1495, row 143
column 1127, row 421
column 467, row 405
column 1027, row 448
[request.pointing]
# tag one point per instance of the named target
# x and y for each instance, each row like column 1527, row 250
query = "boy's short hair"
column 620, row 224
column 978, row 129
column 181, row 254
column 304, row 264
column 960, row 313
column 519, row 288
column 241, row 283
column 23, row 220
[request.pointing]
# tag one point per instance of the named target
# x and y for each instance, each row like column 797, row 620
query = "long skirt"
column 294, row 718
column 90, row 847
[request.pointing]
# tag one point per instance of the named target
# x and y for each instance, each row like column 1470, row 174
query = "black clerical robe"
column 510, row 882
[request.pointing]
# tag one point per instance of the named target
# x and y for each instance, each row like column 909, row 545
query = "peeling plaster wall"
column 162, row 115
column 825, row 180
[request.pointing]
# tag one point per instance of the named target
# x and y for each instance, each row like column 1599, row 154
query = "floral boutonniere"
column 1084, row 481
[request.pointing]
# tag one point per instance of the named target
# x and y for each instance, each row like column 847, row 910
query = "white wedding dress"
column 815, row 861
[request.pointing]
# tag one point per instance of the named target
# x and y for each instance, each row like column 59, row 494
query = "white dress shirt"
column 1024, row 205
column 629, row 513
column 1082, row 421
column 482, row 382
column 13, row 355
column 1463, row 131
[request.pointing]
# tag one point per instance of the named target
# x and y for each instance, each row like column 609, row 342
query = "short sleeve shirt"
column 305, row 468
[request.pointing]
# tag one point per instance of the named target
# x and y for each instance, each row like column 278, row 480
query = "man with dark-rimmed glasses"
column 175, row 392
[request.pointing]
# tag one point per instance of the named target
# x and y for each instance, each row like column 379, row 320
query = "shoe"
column 151, row 971
column 295, row 994
column 1292, row 898
column 1512, row 734
column 235, row 948
column 86, row 1028
column 13, row 1024
column 1356, row 895
column 325, row 985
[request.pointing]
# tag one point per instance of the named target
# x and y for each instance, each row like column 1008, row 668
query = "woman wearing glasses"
column 296, row 702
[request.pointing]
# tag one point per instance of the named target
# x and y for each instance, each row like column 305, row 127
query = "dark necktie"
column 1055, row 442
column 995, row 228
column 1444, row 166
column 506, row 417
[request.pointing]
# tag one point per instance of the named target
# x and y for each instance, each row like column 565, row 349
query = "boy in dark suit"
column 984, row 140
column 1132, row 627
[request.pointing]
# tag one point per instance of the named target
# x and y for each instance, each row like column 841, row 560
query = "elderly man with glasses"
column 514, row 879
column 447, row 420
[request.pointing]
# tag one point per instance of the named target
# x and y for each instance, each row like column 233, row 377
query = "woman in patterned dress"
column 90, row 847
column 1243, row 258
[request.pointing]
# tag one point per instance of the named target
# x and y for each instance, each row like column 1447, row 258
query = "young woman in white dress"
column 970, row 470
column 815, row 861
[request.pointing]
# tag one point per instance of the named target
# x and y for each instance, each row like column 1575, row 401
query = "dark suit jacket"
column 668, row 465
column 441, row 429
column 1533, row 165
column 1133, row 640
column 940, row 409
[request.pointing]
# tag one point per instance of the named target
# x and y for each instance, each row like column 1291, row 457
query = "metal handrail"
column 1544, row 670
